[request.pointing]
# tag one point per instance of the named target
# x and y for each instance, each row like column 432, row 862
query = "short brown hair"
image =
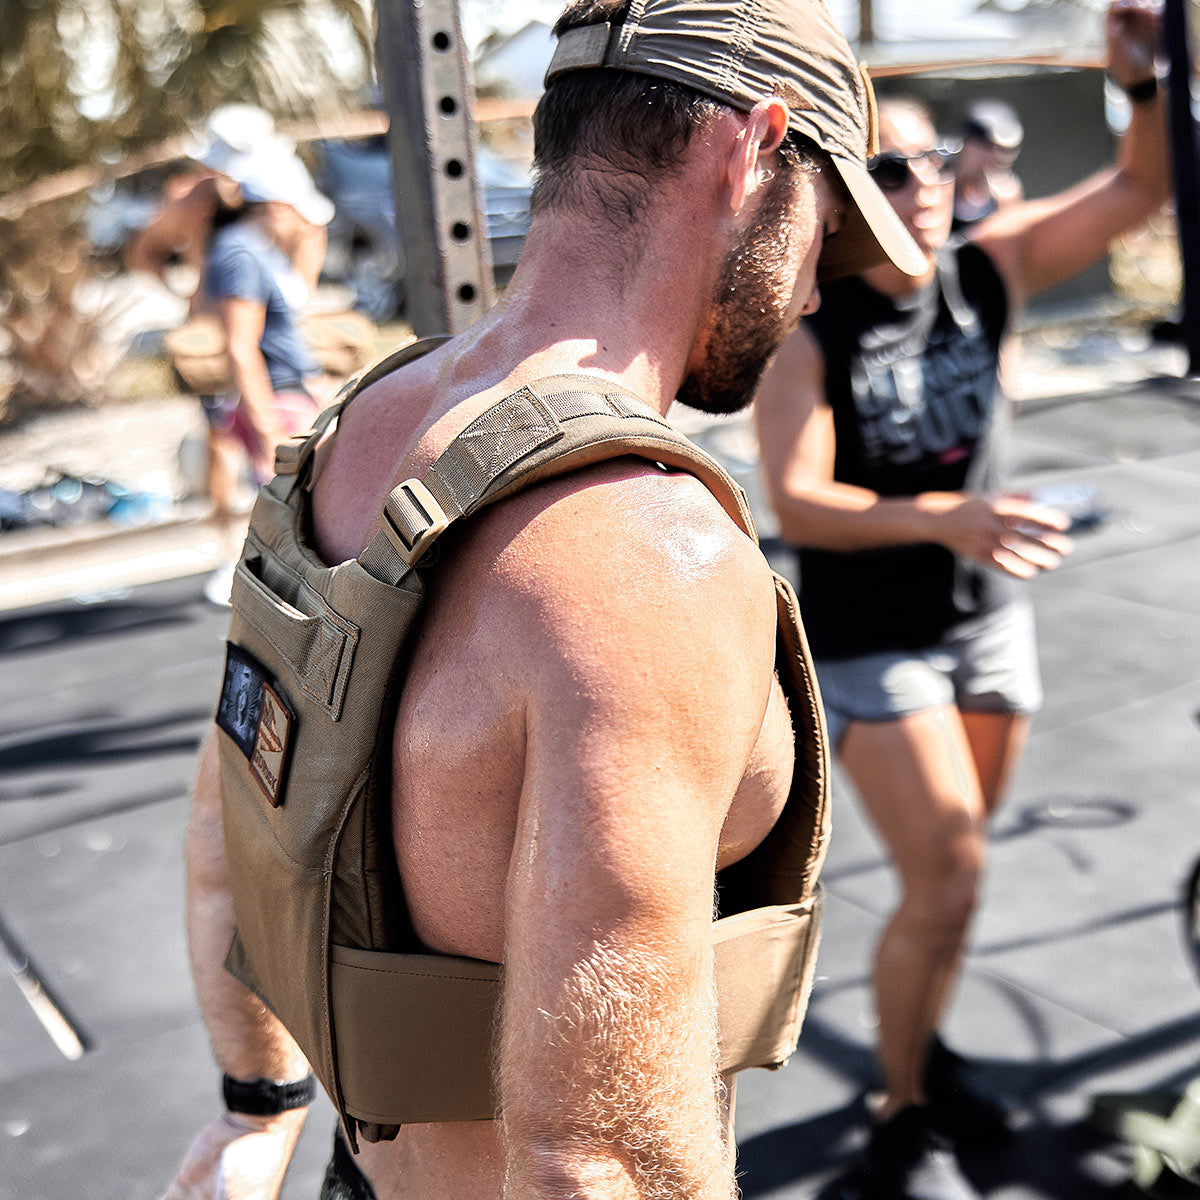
column 603, row 137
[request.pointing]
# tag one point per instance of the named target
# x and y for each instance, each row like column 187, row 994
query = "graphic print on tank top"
column 925, row 402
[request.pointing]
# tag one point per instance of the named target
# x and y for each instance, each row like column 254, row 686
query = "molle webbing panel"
column 397, row 1035
column 548, row 428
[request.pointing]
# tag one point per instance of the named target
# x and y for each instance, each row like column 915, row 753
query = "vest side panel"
column 301, row 623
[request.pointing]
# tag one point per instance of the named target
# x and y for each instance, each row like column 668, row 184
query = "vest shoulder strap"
column 549, row 427
column 294, row 456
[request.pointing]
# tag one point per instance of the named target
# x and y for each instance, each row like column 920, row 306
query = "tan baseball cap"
column 742, row 51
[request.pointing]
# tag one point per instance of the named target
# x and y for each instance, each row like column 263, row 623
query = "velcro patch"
column 258, row 719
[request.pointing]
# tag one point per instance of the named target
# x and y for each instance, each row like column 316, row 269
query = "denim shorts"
column 986, row 664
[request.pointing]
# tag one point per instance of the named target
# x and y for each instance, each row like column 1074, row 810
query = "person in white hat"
column 239, row 143
column 250, row 281
column 179, row 231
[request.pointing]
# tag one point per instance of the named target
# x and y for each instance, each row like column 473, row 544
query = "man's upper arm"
column 652, row 664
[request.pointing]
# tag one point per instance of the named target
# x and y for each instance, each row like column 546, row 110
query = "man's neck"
column 573, row 305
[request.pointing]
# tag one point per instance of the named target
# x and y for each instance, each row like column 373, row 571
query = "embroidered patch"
column 258, row 719
column 271, row 745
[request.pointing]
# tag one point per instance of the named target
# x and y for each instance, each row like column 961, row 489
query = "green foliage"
column 88, row 82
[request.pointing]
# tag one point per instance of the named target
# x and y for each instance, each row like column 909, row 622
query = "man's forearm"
column 248, row 1041
column 615, row 1094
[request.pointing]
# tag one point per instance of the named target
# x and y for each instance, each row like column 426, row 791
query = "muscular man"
column 589, row 724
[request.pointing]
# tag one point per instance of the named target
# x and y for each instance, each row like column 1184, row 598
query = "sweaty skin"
column 590, row 722
column 576, row 764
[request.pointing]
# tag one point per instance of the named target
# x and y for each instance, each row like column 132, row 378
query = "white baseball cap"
column 233, row 130
column 274, row 174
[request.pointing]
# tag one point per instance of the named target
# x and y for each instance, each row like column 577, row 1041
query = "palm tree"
column 86, row 82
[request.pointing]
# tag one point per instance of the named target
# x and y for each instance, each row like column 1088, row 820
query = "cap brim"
column 315, row 208
column 872, row 233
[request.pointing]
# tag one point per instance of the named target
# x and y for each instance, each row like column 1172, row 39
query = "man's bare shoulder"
column 624, row 554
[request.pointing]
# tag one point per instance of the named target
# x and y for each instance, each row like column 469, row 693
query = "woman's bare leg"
column 917, row 779
column 225, row 456
column 997, row 741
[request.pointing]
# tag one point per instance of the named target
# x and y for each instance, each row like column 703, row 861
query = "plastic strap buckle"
column 413, row 520
column 583, row 46
column 289, row 455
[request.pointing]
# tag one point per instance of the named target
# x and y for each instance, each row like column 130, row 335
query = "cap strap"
column 583, row 46
column 872, row 111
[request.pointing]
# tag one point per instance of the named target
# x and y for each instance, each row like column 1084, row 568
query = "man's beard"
column 749, row 309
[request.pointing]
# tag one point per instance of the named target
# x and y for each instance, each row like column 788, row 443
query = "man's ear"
column 766, row 127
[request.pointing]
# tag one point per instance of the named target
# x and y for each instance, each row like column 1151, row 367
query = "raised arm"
column 797, row 443
column 653, row 674
column 1039, row 243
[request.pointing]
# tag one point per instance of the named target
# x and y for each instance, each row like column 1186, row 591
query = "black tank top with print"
column 916, row 408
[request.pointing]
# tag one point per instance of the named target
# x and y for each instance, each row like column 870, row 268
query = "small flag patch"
column 258, row 719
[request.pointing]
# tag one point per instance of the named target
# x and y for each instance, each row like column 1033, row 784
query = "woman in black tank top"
column 883, row 436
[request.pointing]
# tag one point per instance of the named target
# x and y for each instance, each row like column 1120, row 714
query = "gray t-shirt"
column 242, row 263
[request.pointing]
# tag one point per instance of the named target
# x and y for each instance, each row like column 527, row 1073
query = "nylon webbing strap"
column 293, row 455
column 497, row 454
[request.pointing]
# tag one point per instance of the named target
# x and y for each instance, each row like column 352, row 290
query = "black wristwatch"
column 265, row 1097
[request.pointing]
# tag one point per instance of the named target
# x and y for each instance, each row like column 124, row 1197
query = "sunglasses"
column 893, row 172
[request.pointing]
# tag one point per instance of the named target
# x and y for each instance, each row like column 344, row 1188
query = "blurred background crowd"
column 103, row 102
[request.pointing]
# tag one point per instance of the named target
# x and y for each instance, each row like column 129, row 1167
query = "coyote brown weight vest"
column 315, row 663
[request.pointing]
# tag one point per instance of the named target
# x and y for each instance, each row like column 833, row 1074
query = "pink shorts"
column 294, row 410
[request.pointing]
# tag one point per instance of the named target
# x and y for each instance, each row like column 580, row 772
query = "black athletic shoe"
column 958, row 1105
column 907, row 1159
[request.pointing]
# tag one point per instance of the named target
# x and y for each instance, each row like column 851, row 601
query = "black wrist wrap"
column 265, row 1098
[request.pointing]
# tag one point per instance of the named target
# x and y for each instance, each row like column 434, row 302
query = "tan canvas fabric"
column 396, row 1034
column 199, row 348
